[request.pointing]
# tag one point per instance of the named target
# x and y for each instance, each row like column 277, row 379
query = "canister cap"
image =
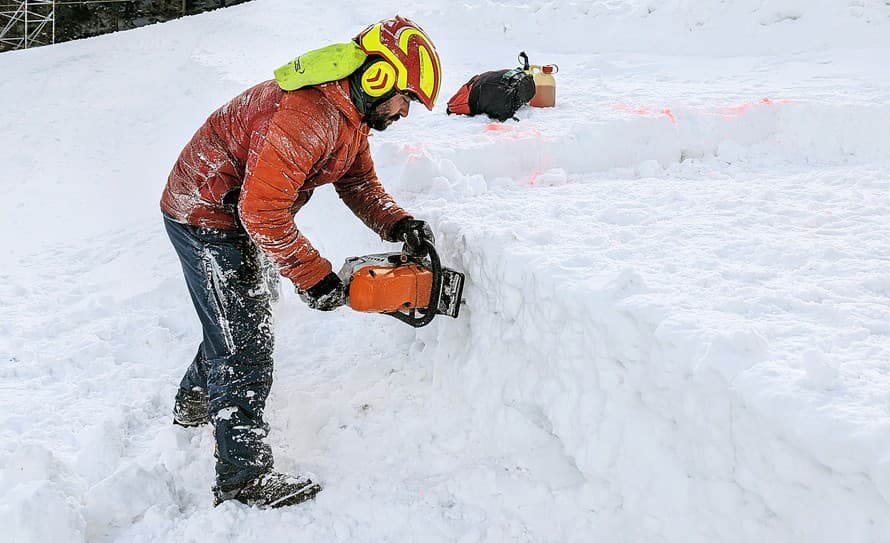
column 549, row 68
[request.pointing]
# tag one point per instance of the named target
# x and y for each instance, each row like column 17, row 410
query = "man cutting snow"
column 229, row 205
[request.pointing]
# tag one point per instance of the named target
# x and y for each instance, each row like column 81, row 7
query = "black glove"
column 414, row 233
column 326, row 295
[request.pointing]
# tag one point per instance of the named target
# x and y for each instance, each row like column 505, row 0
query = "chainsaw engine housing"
column 398, row 284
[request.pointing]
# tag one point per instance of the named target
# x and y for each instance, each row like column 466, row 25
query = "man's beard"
column 379, row 121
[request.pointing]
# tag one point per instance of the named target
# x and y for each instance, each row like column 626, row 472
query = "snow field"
column 676, row 311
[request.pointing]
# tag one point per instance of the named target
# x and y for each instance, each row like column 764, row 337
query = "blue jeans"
column 225, row 277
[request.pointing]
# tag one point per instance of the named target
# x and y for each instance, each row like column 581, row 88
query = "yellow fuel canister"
column 545, row 85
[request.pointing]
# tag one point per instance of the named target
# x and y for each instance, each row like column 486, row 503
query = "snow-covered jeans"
column 225, row 279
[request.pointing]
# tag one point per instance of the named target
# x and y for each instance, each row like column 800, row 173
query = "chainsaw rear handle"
column 430, row 311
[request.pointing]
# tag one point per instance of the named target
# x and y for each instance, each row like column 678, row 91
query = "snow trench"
column 751, row 133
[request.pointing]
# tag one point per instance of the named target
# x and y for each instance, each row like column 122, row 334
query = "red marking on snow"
column 511, row 132
column 413, row 149
column 414, row 152
column 737, row 111
column 643, row 112
column 535, row 175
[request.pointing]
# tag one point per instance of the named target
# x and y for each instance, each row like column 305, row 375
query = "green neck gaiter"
column 356, row 94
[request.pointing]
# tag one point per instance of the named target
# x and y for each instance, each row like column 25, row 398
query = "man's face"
column 388, row 111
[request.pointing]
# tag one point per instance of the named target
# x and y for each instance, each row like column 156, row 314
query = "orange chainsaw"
column 403, row 285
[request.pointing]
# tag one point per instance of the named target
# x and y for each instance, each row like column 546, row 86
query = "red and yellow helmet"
column 409, row 62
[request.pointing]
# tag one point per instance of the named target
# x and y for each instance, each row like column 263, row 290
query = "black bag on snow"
column 498, row 93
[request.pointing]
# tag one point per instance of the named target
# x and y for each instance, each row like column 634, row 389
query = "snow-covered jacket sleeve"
column 362, row 192
column 294, row 142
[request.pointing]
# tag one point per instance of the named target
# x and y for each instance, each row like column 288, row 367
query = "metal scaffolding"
column 30, row 23
column 27, row 23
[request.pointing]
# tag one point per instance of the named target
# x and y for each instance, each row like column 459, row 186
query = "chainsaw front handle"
column 430, row 311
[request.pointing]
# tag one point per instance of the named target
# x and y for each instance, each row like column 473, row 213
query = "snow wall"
column 687, row 411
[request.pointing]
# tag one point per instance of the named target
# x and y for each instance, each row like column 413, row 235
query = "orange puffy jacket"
column 266, row 151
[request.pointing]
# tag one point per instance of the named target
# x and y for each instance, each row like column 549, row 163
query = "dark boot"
column 192, row 408
column 269, row 490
